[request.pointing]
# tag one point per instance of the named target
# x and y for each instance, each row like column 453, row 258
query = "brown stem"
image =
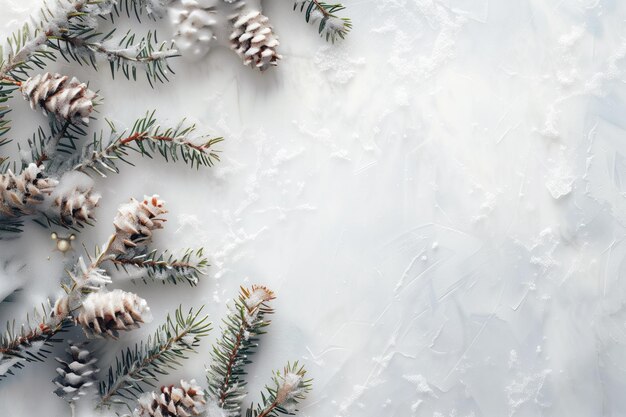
column 43, row 330
column 139, row 262
column 268, row 410
column 10, row 80
column 321, row 8
column 231, row 363
column 140, row 136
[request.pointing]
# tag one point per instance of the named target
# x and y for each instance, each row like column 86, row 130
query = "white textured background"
column 439, row 203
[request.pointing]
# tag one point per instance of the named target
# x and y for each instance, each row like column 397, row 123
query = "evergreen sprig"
column 240, row 335
column 330, row 25
column 30, row 341
column 139, row 367
column 165, row 267
column 54, row 147
column 6, row 91
column 288, row 389
column 26, row 46
column 84, row 44
column 148, row 138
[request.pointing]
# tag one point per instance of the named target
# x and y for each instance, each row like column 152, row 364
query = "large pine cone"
column 67, row 100
column 173, row 401
column 106, row 313
column 253, row 39
column 19, row 193
column 77, row 375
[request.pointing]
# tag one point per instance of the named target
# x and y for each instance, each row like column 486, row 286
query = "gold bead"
column 63, row 245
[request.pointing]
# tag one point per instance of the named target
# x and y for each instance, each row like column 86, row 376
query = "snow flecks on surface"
column 338, row 63
column 438, row 203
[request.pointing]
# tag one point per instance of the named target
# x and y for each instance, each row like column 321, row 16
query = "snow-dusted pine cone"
column 57, row 94
column 74, row 199
column 135, row 221
column 77, row 374
column 106, row 313
column 194, row 22
column 253, row 39
column 20, row 192
column 77, row 207
column 173, row 401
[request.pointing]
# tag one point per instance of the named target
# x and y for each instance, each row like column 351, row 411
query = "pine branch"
column 29, row 342
column 147, row 138
column 53, row 148
column 139, row 367
column 26, row 47
column 6, row 91
column 289, row 388
column 239, row 340
column 330, row 25
column 165, row 267
column 85, row 45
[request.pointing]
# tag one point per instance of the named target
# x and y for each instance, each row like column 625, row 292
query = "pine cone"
column 105, row 313
column 78, row 375
column 195, row 22
column 173, row 401
column 135, row 222
column 253, row 39
column 77, row 207
column 74, row 199
column 67, row 100
column 19, row 193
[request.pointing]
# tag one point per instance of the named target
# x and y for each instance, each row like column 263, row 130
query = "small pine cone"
column 173, row 401
column 77, row 375
column 194, row 22
column 67, row 100
column 135, row 222
column 74, row 199
column 77, row 207
column 19, row 193
column 253, row 39
column 106, row 313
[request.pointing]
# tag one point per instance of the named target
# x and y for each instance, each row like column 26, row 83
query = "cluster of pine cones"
column 236, row 23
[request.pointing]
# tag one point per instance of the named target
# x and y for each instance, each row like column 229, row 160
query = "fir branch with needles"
column 27, row 46
column 54, row 147
column 148, row 138
column 6, row 91
column 140, row 367
column 86, row 45
column 30, row 341
column 240, row 334
column 329, row 25
column 71, row 30
column 288, row 389
column 164, row 267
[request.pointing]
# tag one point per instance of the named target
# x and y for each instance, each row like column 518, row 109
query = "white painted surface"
column 438, row 202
